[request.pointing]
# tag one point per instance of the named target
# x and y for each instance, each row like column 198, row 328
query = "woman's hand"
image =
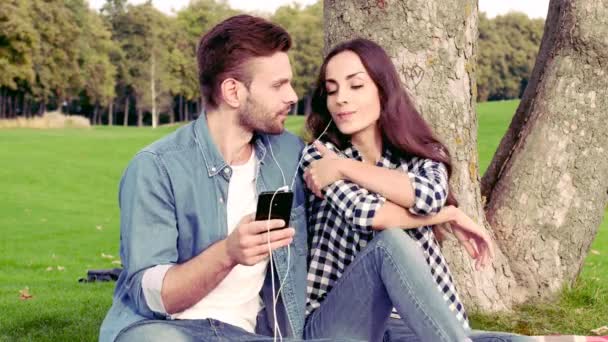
column 324, row 171
column 474, row 238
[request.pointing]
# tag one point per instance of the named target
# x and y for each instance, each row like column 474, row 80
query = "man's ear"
column 232, row 92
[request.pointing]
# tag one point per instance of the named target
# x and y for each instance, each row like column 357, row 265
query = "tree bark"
column 111, row 113
column 181, row 108
column 153, row 90
column 433, row 44
column 140, row 117
column 125, row 120
column 187, row 113
column 42, row 108
column 172, row 111
column 307, row 104
column 549, row 193
column 9, row 106
column 95, row 114
column 26, row 107
column 2, row 91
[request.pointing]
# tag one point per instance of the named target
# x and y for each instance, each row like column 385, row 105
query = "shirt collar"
column 213, row 159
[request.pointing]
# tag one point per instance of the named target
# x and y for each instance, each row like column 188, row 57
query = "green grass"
column 59, row 208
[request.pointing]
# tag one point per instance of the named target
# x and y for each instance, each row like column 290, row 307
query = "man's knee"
column 154, row 331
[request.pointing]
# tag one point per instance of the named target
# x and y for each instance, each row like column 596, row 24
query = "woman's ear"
column 231, row 92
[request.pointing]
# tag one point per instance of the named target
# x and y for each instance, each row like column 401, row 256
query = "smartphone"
column 281, row 206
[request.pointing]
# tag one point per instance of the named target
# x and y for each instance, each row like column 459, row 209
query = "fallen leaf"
column 595, row 252
column 99, row 227
column 107, row 256
column 60, row 268
column 25, row 294
column 117, row 262
column 600, row 331
column 50, row 268
column 43, row 220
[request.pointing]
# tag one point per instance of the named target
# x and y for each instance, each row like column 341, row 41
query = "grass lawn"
column 59, row 217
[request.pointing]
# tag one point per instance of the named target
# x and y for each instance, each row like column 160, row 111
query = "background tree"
column 508, row 46
column 551, row 174
column 98, row 72
column 55, row 58
column 305, row 27
column 17, row 40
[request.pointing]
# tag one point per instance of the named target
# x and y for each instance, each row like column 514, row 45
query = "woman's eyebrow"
column 347, row 77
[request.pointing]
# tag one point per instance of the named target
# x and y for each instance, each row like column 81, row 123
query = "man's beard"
column 257, row 118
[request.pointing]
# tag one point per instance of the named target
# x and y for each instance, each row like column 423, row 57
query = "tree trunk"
column 95, row 113
column 2, row 102
column 26, row 107
column 547, row 193
column 433, row 44
column 9, row 106
column 111, row 113
column 181, row 108
column 187, row 111
column 42, row 108
column 125, row 120
column 307, row 104
column 153, row 90
column 2, row 92
column 140, row 117
column 172, row 111
column 296, row 108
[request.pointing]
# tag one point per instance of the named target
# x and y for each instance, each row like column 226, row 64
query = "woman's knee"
column 399, row 243
column 154, row 331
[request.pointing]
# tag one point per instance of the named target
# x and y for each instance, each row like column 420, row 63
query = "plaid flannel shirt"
column 340, row 224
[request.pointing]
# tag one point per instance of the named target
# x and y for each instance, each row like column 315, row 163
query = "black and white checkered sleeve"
column 309, row 154
column 357, row 205
column 430, row 182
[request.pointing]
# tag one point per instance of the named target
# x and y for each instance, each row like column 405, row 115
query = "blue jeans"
column 191, row 330
column 397, row 331
column 390, row 271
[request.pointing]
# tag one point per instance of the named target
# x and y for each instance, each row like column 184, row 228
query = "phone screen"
column 281, row 206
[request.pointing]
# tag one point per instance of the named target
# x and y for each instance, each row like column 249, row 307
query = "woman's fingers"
column 311, row 182
column 464, row 239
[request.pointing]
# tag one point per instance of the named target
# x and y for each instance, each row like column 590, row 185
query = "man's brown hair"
column 224, row 51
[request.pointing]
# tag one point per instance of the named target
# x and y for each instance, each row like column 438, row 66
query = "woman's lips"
column 344, row 115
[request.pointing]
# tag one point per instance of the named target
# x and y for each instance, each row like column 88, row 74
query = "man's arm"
column 149, row 239
column 186, row 284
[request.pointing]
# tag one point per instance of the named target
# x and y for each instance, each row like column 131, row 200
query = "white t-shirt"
column 236, row 299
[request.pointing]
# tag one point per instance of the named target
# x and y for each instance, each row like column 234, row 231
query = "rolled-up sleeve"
column 430, row 183
column 148, row 228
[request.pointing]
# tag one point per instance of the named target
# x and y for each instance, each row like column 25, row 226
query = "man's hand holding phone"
column 248, row 243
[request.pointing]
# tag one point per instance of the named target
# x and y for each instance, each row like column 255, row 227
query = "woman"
column 376, row 165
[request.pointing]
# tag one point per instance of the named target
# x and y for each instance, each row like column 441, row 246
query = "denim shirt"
column 173, row 206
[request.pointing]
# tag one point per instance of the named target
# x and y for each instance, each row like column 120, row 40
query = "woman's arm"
column 474, row 238
column 394, row 185
column 421, row 186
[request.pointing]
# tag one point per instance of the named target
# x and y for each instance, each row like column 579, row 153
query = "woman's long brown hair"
column 403, row 128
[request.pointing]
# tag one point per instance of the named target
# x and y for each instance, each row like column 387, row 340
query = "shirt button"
column 221, row 200
column 212, row 169
column 227, row 171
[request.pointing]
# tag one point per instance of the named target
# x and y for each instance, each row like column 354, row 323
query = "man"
column 196, row 264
